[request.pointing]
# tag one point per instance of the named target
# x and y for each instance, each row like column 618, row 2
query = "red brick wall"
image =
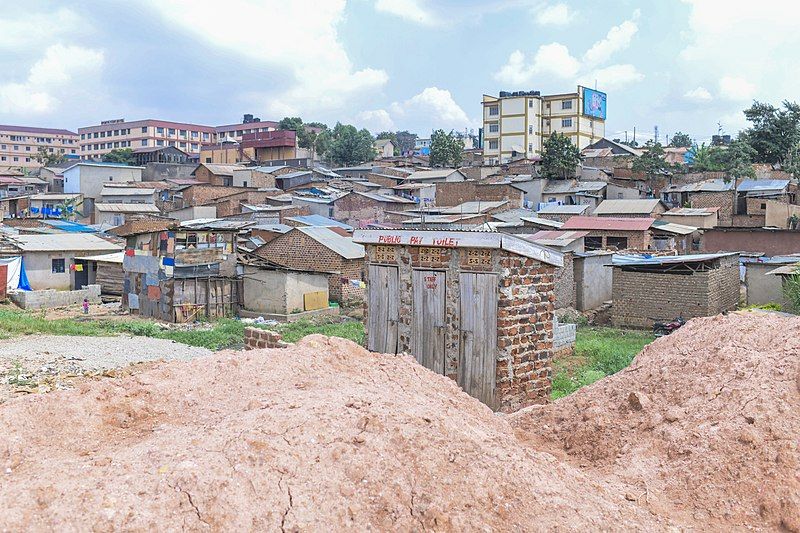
column 299, row 251
column 724, row 200
column 358, row 210
column 454, row 193
column 769, row 242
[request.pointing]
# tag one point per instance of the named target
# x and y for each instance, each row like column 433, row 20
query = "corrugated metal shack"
column 179, row 273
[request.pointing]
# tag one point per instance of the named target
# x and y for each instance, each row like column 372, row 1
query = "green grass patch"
column 224, row 333
column 599, row 352
column 294, row 331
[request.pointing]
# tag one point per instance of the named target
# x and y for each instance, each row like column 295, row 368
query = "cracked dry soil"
column 701, row 431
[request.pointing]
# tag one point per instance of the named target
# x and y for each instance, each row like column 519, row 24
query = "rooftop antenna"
column 655, row 133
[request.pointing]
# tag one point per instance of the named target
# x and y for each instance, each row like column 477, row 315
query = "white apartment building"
column 516, row 124
column 20, row 144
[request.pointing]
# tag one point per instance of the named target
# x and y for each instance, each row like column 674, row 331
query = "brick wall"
column 206, row 176
column 637, row 240
column 523, row 371
column 358, row 210
column 257, row 338
column 381, row 180
column 454, row 193
column 724, row 200
column 299, row 251
column 556, row 217
column 756, row 240
column 564, row 283
column 203, row 194
column 747, row 221
column 639, row 297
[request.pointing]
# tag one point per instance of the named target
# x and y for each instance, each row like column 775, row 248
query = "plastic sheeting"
column 17, row 278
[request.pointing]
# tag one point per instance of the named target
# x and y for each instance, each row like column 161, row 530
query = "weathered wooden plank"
column 478, row 318
column 428, row 320
column 377, row 313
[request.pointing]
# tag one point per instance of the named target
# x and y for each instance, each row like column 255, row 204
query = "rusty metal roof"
column 608, row 223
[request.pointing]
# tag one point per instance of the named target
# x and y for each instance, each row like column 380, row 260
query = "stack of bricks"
column 525, row 333
column 256, row 338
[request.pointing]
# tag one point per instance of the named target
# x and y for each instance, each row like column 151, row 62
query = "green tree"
column 651, row 163
column 681, row 140
column 737, row 159
column 446, row 149
column 560, row 157
column 775, row 132
column 120, row 155
column 296, row 125
column 47, row 158
column 350, row 146
column 392, row 137
column 406, row 141
column 708, row 158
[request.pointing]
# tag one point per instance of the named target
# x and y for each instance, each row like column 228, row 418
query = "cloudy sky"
column 689, row 65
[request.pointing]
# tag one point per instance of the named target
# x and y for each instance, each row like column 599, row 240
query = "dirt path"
column 42, row 363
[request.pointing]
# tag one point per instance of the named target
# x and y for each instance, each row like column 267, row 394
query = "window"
column 160, row 142
column 16, row 147
column 530, row 103
column 494, row 110
column 183, row 144
column 566, row 122
column 102, row 134
column 194, row 146
column 494, row 127
column 493, row 145
column 763, row 206
column 58, row 266
column 96, row 135
column 530, row 147
column 27, row 159
column 16, row 158
column 144, row 142
column 592, row 243
column 208, row 160
column 620, row 243
column 566, row 104
column 83, row 136
column 116, row 132
column 244, row 183
column 160, row 130
column 530, row 130
column 3, row 158
column 144, row 129
column 116, row 144
column 205, row 136
column 171, row 131
column 195, row 135
column 27, row 148
column 183, row 133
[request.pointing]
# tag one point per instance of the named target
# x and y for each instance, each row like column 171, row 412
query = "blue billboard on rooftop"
column 594, row 103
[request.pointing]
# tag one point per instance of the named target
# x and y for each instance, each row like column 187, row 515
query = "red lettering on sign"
column 448, row 242
column 389, row 239
column 415, row 240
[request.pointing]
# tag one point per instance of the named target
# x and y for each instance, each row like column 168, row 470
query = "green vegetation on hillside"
column 599, row 352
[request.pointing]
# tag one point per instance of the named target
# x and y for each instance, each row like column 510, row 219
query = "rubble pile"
column 703, row 426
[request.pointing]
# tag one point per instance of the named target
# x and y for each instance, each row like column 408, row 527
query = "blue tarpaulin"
column 23, row 277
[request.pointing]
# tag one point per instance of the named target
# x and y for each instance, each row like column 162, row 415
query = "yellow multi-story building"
column 19, row 145
column 517, row 124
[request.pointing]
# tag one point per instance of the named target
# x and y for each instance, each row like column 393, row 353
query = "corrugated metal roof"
column 554, row 238
column 319, row 220
column 627, row 207
column 126, row 208
column 126, row 191
column 569, row 186
column 115, row 257
column 55, row 196
column 64, row 242
column 391, row 198
column 672, row 227
column 430, row 174
column 786, row 270
column 609, row 223
column 762, row 185
column 277, row 228
column 217, row 224
column 717, row 185
column 344, row 246
column 692, row 211
column 559, row 209
column 473, row 207
column 626, row 259
column 221, row 170
column 513, row 215
column 542, row 222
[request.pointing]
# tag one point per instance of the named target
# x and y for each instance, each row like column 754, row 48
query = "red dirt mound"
column 705, row 423
column 318, row 436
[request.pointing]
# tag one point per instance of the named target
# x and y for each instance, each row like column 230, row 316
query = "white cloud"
column 24, row 28
column 555, row 60
column 376, row 120
column 410, row 10
column 431, row 108
column 618, row 38
column 613, row 77
column 736, row 88
column 698, row 94
column 554, row 15
column 551, row 59
column 49, row 77
column 303, row 41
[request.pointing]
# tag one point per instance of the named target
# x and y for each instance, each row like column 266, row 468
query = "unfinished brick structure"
column 476, row 307
column 359, row 209
column 666, row 287
column 725, row 200
column 454, row 193
column 256, row 338
column 613, row 233
column 318, row 249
